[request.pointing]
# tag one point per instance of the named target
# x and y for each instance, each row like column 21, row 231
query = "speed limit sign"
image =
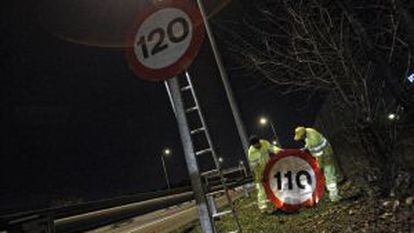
column 165, row 40
column 292, row 179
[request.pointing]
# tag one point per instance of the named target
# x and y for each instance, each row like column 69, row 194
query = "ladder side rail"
column 203, row 122
column 206, row 221
column 214, row 155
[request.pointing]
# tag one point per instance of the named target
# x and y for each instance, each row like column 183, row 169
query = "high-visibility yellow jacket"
column 259, row 157
column 319, row 147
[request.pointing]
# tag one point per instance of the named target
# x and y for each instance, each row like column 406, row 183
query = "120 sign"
column 160, row 43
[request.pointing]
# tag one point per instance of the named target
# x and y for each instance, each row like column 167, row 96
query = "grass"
column 354, row 214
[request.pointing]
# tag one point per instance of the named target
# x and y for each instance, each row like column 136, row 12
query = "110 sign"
column 292, row 179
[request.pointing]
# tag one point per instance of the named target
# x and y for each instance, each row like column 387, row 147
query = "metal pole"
column 244, row 169
column 165, row 171
column 236, row 113
column 275, row 137
column 205, row 218
column 169, row 96
column 273, row 129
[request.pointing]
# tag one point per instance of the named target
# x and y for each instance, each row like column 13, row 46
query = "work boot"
column 270, row 208
column 262, row 208
column 267, row 211
column 267, row 208
column 334, row 196
column 333, row 192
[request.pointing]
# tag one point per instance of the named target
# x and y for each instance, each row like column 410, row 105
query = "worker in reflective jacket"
column 259, row 153
column 320, row 148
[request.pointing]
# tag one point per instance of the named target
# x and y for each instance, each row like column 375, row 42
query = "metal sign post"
column 167, row 180
column 173, row 89
column 163, row 43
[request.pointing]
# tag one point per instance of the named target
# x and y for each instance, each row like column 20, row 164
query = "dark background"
column 77, row 125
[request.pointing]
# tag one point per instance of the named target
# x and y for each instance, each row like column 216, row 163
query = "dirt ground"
column 355, row 213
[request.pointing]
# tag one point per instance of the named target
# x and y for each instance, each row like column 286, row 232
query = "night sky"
column 77, row 123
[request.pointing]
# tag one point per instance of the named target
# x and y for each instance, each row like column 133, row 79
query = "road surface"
column 161, row 221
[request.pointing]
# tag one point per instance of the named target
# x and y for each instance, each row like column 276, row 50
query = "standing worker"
column 259, row 153
column 320, row 148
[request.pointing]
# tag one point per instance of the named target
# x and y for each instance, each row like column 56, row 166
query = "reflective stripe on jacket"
column 320, row 148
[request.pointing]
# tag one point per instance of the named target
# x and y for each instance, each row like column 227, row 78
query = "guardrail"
column 11, row 221
column 64, row 211
column 95, row 214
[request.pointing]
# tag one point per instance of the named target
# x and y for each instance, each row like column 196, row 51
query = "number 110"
column 298, row 181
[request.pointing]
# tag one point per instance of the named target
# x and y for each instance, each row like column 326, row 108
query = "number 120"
column 159, row 41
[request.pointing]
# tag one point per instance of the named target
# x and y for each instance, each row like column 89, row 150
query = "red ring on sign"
column 186, row 59
column 320, row 180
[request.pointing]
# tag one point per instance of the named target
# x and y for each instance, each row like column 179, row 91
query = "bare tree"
column 357, row 53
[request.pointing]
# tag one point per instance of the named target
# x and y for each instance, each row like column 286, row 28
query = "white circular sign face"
column 292, row 180
column 163, row 38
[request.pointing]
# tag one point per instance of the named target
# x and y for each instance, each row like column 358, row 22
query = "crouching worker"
column 320, row 148
column 259, row 154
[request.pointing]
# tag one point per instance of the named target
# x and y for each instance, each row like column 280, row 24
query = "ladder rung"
column 197, row 130
column 216, row 192
column 200, row 152
column 220, row 214
column 221, row 186
column 185, row 88
column 208, row 173
column 192, row 109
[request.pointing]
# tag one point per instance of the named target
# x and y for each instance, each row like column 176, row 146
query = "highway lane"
column 129, row 212
column 161, row 221
column 77, row 222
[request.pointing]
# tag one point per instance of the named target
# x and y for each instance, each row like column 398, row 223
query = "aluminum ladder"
column 203, row 146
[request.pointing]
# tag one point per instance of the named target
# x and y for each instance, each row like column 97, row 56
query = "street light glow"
column 220, row 159
column 392, row 117
column 263, row 120
column 411, row 78
column 167, row 151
